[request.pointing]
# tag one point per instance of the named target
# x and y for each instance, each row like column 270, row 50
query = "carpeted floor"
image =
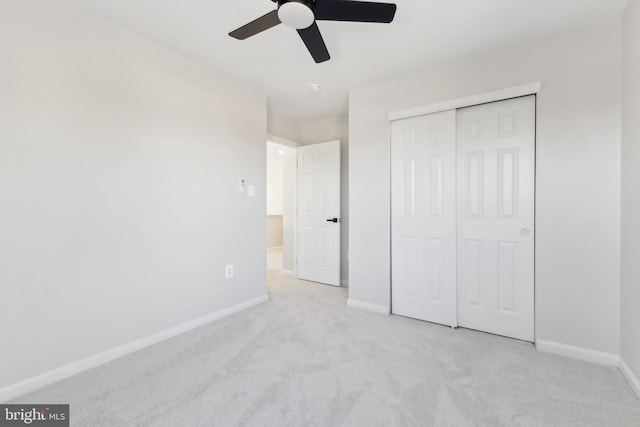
column 305, row 359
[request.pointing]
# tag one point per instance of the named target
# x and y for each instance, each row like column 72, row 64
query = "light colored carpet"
column 305, row 359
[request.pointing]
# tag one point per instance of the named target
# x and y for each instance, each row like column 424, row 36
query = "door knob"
column 333, row 220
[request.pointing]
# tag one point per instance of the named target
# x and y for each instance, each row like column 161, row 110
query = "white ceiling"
column 277, row 63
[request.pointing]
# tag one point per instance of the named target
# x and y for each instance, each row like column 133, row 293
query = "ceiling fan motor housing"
column 296, row 14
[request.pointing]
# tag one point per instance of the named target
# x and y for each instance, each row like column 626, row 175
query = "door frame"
column 454, row 104
column 293, row 144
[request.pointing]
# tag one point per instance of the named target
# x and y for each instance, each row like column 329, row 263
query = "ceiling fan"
column 303, row 14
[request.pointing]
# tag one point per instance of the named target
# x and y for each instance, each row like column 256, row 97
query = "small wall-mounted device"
column 243, row 186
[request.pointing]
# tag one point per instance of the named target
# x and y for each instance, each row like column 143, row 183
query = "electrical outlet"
column 229, row 271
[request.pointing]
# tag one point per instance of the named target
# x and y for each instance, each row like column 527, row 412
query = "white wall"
column 281, row 199
column 289, row 199
column 630, row 334
column 274, row 231
column 578, row 179
column 275, row 194
column 275, row 178
column 331, row 129
column 120, row 165
column 283, row 126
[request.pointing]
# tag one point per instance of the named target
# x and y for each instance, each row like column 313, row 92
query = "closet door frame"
column 455, row 104
column 468, row 101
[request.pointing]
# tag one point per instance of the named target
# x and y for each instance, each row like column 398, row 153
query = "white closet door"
column 424, row 217
column 496, row 160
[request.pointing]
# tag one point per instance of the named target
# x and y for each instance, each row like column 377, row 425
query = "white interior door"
column 496, row 166
column 424, row 217
column 319, row 220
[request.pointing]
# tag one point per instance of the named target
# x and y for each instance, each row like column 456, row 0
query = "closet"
column 462, row 231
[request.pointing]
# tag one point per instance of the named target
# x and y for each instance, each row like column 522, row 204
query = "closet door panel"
column 495, row 227
column 424, row 218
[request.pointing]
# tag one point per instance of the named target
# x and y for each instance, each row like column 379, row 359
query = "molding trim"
column 274, row 248
column 282, row 141
column 630, row 377
column 480, row 98
column 55, row 375
column 593, row 356
column 380, row 309
column 287, row 272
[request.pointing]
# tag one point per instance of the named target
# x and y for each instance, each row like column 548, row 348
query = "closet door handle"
column 333, row 220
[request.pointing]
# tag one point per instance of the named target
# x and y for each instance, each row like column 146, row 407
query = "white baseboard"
column 344, row 283
column 380, row 309
column 287, row 272
column 630, row 377
column 593, row 356
column 274, row 248
column 50, row 377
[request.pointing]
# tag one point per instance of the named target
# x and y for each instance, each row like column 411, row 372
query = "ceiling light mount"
column 315, row 89
column 296, row 14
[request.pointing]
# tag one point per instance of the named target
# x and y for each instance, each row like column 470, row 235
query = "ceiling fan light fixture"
column 296, row 14
column 302, row 15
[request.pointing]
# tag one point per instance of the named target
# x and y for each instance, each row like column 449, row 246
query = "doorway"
column 281, row 206
column 463, row 217
column 303, row 210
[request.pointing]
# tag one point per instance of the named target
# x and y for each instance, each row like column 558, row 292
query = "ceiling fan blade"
column 313, row 40
column 356, row 11
column 257, row 26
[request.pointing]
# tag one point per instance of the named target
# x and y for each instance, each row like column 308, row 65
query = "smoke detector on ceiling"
column 314, row 89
